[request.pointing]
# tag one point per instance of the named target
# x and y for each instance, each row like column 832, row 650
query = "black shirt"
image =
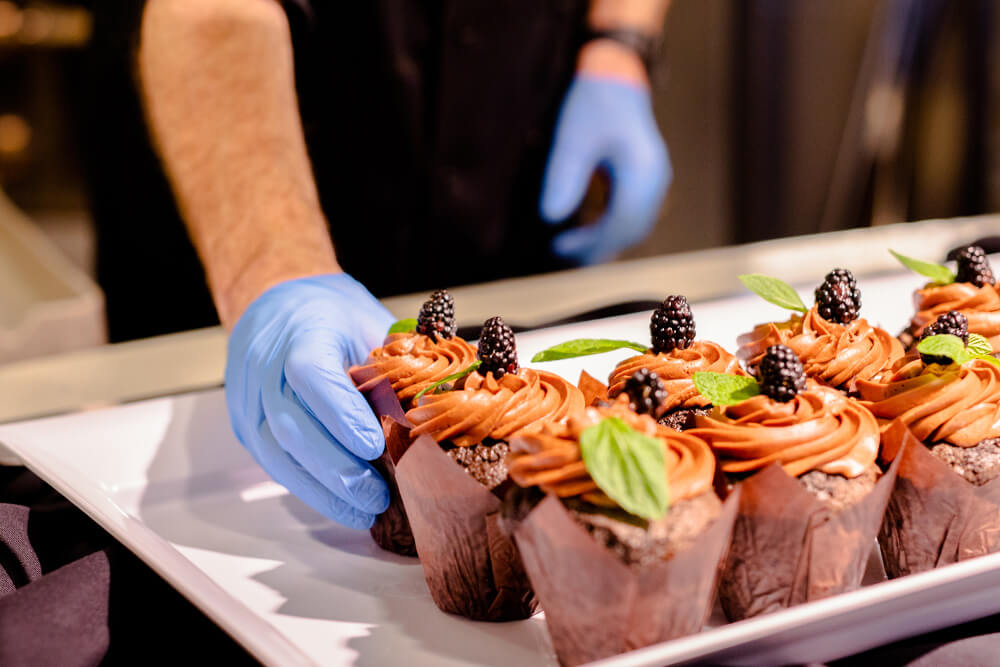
column 428, row 125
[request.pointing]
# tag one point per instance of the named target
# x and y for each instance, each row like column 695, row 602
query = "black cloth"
column 428, row 124
column 70, row 595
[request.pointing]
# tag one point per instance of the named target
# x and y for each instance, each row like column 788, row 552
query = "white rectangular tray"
column 168, row 479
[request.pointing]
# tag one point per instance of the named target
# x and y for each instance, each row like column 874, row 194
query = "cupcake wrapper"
column 788, row 548
column 935, row 516
column 472, row 567
column 593, row 390
column 391, row 529
column 597, row 606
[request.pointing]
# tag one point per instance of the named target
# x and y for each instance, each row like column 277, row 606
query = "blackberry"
column 437, row 316
column 672, row 325
column 496, row 348
column 952, row 322
column 646, row 393
column 838, row 298
column 973, row 267
column 781, row 374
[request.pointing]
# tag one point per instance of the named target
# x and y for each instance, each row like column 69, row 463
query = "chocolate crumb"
column 978, row 464
column 839, row 492
column 638, row 542
column 486, row 462
column 681, row 419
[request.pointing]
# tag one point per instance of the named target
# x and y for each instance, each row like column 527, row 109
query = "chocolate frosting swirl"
column 411, row 362
column 820, row 429
column 550, row 458
column 833, row 354
column 981, row 305
column 675, row 369
column 955, row 404
column 485, row 407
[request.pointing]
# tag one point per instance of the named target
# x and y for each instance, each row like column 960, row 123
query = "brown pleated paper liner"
column 597, row 606
column 593, row 390
column 788, row 548
column 391, row 529
column 935, row 517
column 472, row 567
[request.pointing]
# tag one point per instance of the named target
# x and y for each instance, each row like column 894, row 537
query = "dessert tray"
column 168, row 479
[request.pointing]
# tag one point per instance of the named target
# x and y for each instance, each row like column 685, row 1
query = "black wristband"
column 644, row 45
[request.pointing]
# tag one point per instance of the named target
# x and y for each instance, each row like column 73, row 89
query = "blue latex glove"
column 607, row 123
column 291, row 402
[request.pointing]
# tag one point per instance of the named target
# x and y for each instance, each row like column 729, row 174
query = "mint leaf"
column 582, row 347
column 939, row 273
column 451, row 378
column 773, row 291
column 631, row 468
column 945, row 345
column 979, row 345
column 403, row 326
column 725, row 389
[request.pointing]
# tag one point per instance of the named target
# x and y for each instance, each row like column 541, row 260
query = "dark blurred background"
column 783, row 117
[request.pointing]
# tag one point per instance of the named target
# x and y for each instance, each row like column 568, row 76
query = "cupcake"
column 412, row 360
column 972, row 291
column 673, row 357
column 453, row 476
column 946, row 404
column 415, row 356
column 812, row 494
column 619, row 529
column 837, row 346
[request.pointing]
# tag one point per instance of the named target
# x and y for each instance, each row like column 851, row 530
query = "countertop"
column 114, row 374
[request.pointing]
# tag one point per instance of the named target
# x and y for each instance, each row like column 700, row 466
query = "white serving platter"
column 168, row 479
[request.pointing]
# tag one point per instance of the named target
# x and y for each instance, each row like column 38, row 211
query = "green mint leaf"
column 939, row 273
column 773, row 291
column 725, row 389
column 979, row 345
column 631, row 468
column 945, row 345
column 582, row 347
column 451, row 378
column 403, row 326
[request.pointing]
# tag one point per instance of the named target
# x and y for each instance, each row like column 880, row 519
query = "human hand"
column 291, row 402
column 605, row 122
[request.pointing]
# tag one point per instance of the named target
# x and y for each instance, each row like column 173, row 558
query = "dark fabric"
column 81, row 598
column 428, row 123
column 58, row 619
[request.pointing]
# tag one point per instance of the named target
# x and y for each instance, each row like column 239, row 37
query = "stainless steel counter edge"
column 125, row 372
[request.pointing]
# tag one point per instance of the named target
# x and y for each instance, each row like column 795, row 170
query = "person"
column 429, row 142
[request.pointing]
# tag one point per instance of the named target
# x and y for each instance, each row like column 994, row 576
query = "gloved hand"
column 609, row 123
column 291, row 402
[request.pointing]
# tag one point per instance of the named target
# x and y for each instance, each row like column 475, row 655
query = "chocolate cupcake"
column 972, row 291
column 674, row 356
column 453, row 476
column 812, row 497
column 837, row 346
column 415, row 356
column 946, row 503
column 617, row 566
column 415, row 359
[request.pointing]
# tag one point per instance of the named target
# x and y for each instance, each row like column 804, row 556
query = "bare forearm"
column 603, row 57
column 644, row 15
column 218, row 80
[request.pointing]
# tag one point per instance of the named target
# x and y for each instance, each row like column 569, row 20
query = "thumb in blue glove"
column 291, row 402
column 605, row 123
